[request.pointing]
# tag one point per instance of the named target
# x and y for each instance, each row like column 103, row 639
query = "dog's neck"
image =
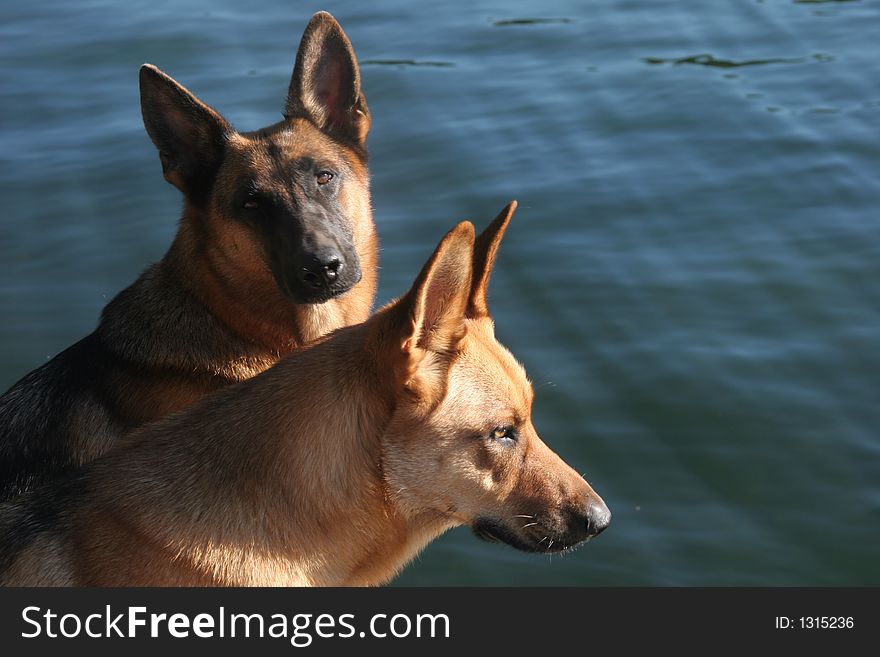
column 300, row 499
column 336, row 464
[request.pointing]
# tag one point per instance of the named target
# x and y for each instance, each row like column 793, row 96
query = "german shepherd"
column 335, row 467
column 276, row 247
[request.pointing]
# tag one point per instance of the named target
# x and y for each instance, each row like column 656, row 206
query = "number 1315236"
column 815, row 622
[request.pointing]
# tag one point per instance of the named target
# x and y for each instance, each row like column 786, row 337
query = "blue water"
column 691, row 279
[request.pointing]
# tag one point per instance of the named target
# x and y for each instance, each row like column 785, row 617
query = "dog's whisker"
column 523, row 516
column 529, row 525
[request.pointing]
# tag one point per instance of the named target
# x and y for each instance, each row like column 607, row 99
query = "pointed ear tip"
column 150, row 73
column 462, row 234
column 322, row 18
column 460, row 237
column 148, row 69
column 499, row 223
column 465, row 230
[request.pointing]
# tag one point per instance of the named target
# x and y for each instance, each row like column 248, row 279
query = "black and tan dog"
column 276, row 247
column 334, row 467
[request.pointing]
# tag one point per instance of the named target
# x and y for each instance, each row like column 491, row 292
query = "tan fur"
column 335, row 467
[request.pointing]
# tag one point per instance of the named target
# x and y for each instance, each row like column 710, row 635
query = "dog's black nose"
column 320, row 271
column 598, row 518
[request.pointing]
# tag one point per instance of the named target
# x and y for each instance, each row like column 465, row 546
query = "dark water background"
column 691, row 279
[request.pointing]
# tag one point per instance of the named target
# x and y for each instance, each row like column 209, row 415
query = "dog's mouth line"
column 539, row 540
column 493, row 531
column 323, row 296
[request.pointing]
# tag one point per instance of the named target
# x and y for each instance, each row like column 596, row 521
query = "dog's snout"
column 598, row 517
column 321, row 270
column 315, row 273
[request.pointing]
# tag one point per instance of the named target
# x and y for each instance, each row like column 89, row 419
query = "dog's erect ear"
column 485, row 250
column 189, row 134
column 437, row 301
column 326, row 83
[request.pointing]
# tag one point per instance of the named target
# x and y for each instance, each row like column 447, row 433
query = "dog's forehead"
column 286, row 142
column 490, row 372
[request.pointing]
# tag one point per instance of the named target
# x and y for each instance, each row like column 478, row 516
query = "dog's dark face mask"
column 300, row 186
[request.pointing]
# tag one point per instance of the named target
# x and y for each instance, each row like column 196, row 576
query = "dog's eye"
column 251, row 205
column 324, row 177
column 504, row 433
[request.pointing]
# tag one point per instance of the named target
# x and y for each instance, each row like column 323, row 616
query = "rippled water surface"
column 691, row 279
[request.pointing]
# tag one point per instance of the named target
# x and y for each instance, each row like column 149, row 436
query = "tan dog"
column 335, row 467
column 276, row 247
